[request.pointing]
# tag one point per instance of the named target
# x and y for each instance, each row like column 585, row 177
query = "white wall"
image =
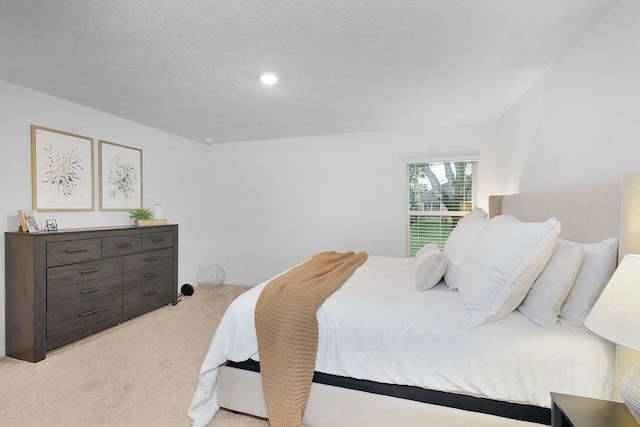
column 174, row 170
column 279, row 202
column 581, row 122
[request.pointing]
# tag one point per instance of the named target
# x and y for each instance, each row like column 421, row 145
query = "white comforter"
column 378, row 327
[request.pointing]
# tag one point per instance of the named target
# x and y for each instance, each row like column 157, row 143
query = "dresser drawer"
column 121, row 245
column 73, row 251
column 163, row 239
column 146, row 275
column 78, row 316
column 83, row 272
column 156, row 293
column 80, row 292
column 148, row 259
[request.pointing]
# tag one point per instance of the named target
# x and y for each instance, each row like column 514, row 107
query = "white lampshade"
column 616, row 314
column 616, row 317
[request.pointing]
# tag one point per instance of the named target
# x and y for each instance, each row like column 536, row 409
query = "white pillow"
column 544, row 301
column 429, row 264
column 598, row 265
column 426, row 248
column 459, row 242
column 502, row 264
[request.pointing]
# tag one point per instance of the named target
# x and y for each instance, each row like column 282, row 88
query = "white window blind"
column 439, row 193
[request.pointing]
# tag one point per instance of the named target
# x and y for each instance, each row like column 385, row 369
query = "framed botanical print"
column 120, row 177
column 61, row 170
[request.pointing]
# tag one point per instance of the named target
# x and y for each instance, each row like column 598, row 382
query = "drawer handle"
column 151, row 258
column 91, row 270
column 158, row 239
column 75, row 250
column 150, row 274
column 88, row 291
column 123, row 245
column 89, row 313
column 149, row 293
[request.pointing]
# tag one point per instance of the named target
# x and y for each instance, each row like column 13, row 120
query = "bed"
column 370, row 371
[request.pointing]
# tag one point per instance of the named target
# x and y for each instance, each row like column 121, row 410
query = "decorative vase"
column 157, row 211
column 211, row 276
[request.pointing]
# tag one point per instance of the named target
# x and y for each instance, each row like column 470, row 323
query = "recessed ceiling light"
column 208, row 141
column 268, row 78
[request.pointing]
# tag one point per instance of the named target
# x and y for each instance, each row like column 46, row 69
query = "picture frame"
column 51, row 225
column 30, row 221
column 120, row 172
column 61, row 170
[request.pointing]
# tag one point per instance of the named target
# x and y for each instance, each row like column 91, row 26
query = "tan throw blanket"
column 287, row 330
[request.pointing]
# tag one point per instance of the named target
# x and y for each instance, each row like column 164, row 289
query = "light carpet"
column 142, row 372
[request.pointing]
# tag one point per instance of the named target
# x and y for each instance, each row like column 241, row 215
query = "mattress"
column 378, row 327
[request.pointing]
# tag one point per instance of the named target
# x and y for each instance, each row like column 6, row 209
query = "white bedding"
column 378, row 327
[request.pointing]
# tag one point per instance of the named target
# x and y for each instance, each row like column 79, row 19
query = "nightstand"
column 575, row 411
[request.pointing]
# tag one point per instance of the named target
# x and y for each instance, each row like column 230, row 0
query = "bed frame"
column 588, row 213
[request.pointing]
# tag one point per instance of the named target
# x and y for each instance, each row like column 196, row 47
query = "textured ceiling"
column 191, row 67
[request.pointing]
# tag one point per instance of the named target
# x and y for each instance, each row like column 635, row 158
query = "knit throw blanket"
column 287, row 331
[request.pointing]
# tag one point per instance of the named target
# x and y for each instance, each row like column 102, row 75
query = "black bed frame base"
column 535, row 414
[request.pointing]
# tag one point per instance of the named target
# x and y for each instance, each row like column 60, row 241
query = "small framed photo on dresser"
column 51, row 225
column 30, row 221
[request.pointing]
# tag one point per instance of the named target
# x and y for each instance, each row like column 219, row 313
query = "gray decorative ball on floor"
column 211, row 276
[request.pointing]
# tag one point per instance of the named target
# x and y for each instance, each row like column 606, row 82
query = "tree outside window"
column 439, row 195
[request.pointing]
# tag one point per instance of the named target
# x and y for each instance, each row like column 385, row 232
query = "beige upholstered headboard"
column 588, row 213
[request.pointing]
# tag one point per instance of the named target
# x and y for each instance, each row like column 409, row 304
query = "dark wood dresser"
column 67, row 284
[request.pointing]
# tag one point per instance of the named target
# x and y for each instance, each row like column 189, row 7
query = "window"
column 440, row 193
